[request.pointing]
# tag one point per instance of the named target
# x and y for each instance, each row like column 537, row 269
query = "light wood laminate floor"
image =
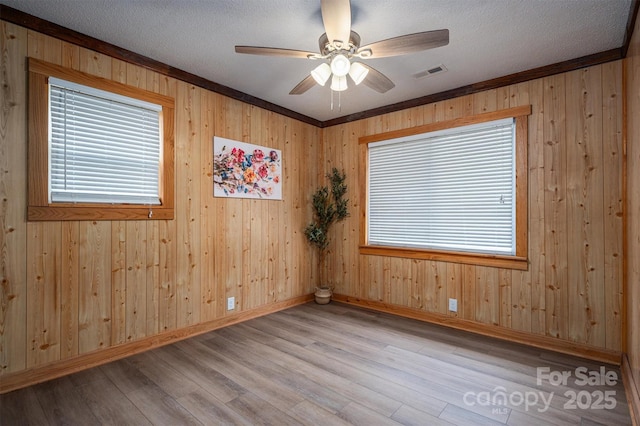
column 330, row 365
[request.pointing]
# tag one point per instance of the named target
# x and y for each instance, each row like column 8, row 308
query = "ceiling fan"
column 340, row 48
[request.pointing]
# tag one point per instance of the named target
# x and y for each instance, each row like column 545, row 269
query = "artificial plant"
column 329, row 207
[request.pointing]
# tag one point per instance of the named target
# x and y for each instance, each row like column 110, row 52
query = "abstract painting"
column 243, row 170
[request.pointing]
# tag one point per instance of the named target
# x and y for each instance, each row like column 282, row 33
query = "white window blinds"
column 449, row 190
column 103, row 147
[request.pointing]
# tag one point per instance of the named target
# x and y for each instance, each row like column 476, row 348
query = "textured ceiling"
column 488, row 39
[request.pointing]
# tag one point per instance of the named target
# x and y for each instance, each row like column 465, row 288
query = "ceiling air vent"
column 438, row 69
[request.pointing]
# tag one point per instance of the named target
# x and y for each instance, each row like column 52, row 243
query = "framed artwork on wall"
column 244, row 170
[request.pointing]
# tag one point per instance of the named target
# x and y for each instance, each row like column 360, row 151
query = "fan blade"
column 336, row 16
column 405, row 44
column 377, row 81
column 303, row 86
column 274, row 51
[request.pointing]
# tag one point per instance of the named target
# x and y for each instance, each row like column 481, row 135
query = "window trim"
column 519, row 260
column 39, row 208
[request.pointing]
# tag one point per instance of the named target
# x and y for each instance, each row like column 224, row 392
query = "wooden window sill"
column 496, row 261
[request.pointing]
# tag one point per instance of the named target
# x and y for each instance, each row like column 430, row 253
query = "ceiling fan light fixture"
column 321, row 73
column 340, row 65
column 358, row 72
column 338, row 83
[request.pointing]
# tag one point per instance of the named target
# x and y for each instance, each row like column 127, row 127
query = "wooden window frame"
column 39, row 208
column 519, row 260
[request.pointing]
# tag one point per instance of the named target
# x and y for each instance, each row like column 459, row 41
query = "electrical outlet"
column 453, row 305
column 231, row 303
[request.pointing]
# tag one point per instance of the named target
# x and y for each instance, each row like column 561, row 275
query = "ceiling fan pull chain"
column 339, row 100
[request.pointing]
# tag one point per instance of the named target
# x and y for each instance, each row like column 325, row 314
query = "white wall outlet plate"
column 231, row 303
column 453, row 305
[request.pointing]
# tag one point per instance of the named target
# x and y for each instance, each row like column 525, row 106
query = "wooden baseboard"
column 543, row 342
column 632, row 389
column 32, row 376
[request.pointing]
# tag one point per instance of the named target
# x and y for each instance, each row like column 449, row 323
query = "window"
column 103, row 147
column 456, row 192
column 97, row 149
column 450, row 191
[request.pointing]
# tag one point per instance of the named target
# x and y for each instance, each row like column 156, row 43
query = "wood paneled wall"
column 572, row 290
column 632, row 74
column 74, row 288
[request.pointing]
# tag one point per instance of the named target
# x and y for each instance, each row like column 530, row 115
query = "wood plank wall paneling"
column 632, row 209
column 13, row 242
column 612, row 137
column 572, row 288
column 555, row 207
column 75, row 288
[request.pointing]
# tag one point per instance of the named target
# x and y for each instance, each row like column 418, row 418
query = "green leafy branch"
column 329, row 207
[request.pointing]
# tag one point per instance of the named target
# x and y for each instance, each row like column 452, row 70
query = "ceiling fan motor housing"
column 327, row 47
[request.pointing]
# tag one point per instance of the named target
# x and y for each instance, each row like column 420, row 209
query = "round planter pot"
column 323, row 295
